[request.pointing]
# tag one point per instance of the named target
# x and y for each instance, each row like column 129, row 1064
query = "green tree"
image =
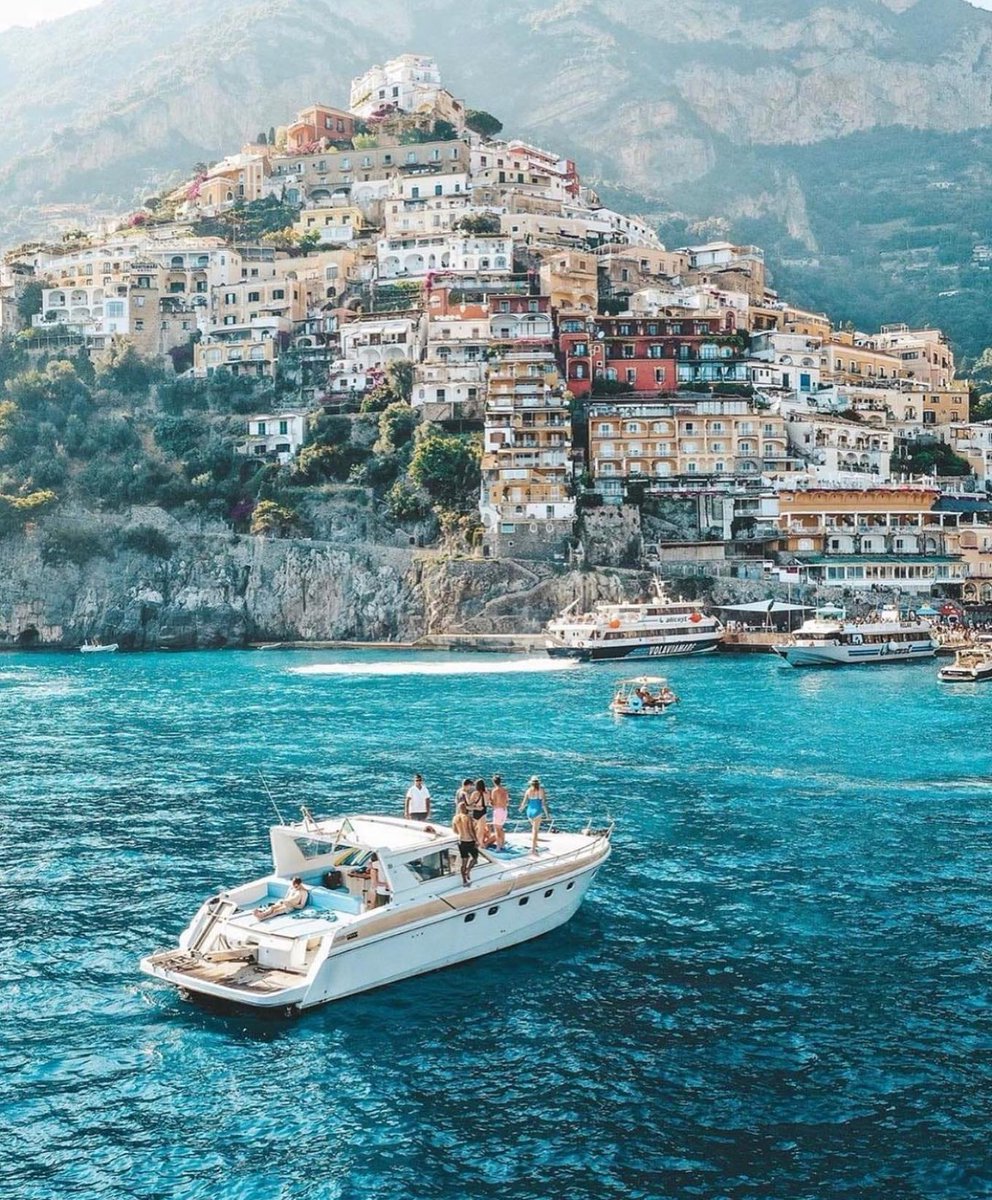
column 122, row 367
column 29, row 301
column 16, row 511
column 447, row 467
column 396, row 425
column 479, row 225
column 400, row 376
column 406, row 501
column 482, row 122
column 273, row 520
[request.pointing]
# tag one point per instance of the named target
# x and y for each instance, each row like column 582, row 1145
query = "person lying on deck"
column 296, row 897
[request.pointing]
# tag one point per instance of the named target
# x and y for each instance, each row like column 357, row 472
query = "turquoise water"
column 778, row 987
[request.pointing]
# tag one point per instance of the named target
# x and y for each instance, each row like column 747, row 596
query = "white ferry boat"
column 418, row 916
column 651, row 629
column 829, row 640
column 971, row 665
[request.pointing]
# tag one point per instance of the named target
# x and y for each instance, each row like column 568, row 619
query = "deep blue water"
column 778, row 987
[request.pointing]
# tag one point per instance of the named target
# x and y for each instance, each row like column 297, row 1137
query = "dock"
column 751, row 641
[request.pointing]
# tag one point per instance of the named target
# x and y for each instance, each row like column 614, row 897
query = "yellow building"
column 333, row 222
column 570, row 279
column 844, row 358
column 655, row 441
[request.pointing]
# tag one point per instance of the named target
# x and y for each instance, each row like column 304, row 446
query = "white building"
column 409, row 81
column 410, row 257
column 787, row 361
column 374, row 342
column 278, row 435
column 89, row 311
column 972, row 440
column 836, row 448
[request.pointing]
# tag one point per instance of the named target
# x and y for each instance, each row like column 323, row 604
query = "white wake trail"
column 494, row 666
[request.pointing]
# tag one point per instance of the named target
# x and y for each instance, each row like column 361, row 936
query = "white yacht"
column 829, row 639
column 353, row 935
column 972, row 664
column 650, row 629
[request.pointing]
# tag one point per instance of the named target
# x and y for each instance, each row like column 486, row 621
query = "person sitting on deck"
column 296, row 897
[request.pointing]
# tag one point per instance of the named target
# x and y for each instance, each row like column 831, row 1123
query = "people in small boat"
column 296, row 897
column 417, row 803
column 535, row 806
column 468, row 850
column 500, row 798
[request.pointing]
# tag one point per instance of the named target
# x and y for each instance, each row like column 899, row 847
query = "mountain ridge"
column 699, row 107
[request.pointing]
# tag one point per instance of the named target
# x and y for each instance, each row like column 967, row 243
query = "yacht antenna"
column 272, row 801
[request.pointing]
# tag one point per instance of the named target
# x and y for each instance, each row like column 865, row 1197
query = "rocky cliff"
column 222, row 589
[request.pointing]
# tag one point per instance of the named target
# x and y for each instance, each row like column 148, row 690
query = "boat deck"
column 245, row 976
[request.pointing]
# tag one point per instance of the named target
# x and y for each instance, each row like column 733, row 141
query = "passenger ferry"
column 971, row 665
column 651, row 629
column 830, row 640
column 351, row 935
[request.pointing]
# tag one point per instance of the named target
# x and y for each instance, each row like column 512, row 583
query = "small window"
column 494, row 910
column 469, row 917
column 569, row 885
column 549, row 892
column 523, row 900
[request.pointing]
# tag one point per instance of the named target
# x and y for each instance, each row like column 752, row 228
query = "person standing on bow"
column 478, row 806
column 500, row 798
column 417, row 803
column 535, row 805
column 468, row 850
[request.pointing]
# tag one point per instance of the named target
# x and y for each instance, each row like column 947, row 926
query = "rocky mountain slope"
column 746, row 114
column 212, row 590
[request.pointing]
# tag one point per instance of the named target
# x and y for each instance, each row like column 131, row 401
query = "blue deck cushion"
column 321, row 898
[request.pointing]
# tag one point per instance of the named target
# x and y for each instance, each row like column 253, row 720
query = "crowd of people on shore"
column 481, row 813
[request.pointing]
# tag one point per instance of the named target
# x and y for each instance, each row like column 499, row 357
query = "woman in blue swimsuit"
column 535, row 805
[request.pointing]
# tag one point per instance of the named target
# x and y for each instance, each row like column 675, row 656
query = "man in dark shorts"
column 468, row 850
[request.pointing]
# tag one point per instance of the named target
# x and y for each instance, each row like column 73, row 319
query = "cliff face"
column 216, row 590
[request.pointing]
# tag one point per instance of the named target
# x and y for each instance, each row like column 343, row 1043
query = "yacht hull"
column 628, row 653
column 469, row 924
column 840, row 656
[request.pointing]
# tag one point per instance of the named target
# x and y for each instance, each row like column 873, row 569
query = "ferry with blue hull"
column 656, row 628
column 834, row 641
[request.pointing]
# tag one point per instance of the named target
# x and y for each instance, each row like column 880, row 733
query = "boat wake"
column 495, row 666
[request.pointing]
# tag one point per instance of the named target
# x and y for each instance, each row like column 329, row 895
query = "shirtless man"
column 468, row 851
column 296, row 897
column 500, row 799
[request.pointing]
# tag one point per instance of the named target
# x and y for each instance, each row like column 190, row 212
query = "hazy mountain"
column 844, row 133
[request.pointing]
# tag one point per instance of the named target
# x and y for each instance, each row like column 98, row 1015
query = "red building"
column 650, row 354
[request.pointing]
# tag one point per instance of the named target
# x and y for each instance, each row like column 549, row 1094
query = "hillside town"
column 632, row 404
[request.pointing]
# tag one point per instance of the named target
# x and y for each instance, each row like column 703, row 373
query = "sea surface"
column 779, row 986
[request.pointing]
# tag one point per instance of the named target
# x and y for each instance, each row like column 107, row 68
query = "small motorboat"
column 98, row 647
column 971, row 665
column 642, row 696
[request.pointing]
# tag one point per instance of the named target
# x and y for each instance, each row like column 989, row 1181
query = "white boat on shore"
column 642, row 696
column 829, row 639
column 99, row 648
column 971, row 665
column 336, row 945
column 654, row 628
